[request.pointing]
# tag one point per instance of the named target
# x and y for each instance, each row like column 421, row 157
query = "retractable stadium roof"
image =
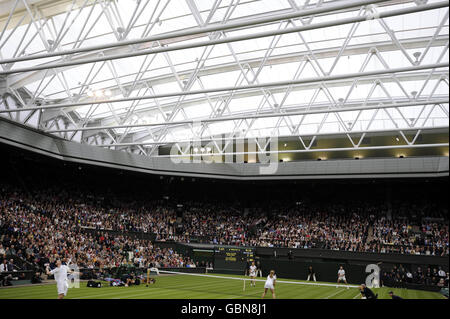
column 136, row 74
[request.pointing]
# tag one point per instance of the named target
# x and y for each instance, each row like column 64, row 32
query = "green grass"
column 193, row 287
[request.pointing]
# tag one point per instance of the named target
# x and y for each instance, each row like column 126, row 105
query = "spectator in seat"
column 4, row 266
column 409, row 277
column 441, row 283
column 11, row 251
column 6, row 280
column 36, row 278
column 11, row 265
column 441, row 273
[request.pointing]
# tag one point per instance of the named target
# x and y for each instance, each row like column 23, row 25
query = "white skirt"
column 269, row 286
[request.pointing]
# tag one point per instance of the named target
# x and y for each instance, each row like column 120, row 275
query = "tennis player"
column 60, row 273
column 341, row 276
column 253, row 274
column 270, row 284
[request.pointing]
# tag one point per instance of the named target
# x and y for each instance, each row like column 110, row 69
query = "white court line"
column 357, row 296
column 334, row 294
column 243, row 296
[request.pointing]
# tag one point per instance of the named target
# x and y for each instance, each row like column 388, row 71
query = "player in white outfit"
column 253, row 274
column 60, row 273
column 270, row 284
column 341, row 276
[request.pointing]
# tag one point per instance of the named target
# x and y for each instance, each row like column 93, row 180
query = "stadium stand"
column 40, row 225
column 305, row 226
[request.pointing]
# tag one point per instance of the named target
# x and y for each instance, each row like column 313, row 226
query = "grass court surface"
column 193, row 287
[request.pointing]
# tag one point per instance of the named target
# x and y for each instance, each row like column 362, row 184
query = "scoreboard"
column 234, row 258
column 235, row 254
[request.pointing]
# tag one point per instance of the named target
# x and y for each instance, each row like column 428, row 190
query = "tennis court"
column 208, row 287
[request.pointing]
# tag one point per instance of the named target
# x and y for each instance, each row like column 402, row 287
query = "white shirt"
column 3, row 267
column 341, row 272
column 270, row 281
column 60, row 273
column 252, row 269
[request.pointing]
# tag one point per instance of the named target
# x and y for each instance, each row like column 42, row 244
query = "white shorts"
column 62, row 287
column 253, row 274
column 269, row 286
column 342, row 278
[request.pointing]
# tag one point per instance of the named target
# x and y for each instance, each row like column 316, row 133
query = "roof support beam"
column 359, row 18
column 256, row 116
column 410, row 44
column 150, row 109
column 232, row 138
column 244, row 87
column 203, row 30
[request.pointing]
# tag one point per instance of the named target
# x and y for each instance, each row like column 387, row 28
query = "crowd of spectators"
column 427, row 237
column 357, row 226
column 301, row 226
column 39, row 229
column 41, row 225
column 400, row 277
